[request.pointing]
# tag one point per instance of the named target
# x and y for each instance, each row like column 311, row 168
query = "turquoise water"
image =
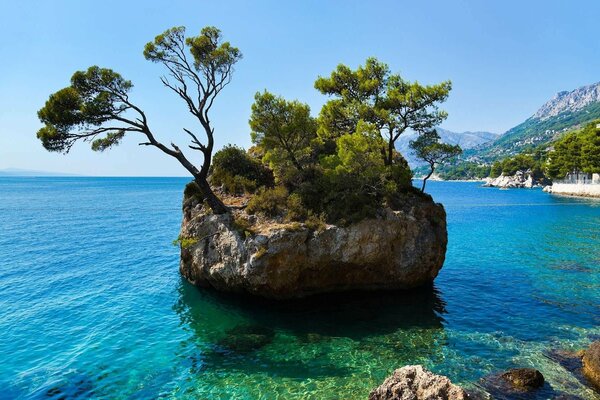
column 92, row 304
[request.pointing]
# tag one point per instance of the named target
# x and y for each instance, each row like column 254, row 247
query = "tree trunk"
column 427, row 177
column 215, row 204
column 390, row 153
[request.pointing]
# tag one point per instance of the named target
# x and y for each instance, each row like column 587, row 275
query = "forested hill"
column 563, row 112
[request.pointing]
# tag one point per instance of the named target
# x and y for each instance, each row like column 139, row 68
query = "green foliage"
column 80, row 110
column 578, row 151
column 237, row 172
column 372, row 94
column 268, row 202
column 211, row 55
column 284, row 130
column 243, row 226
column 316, row 222
column 295, row 208
column 520, row 162
column 429, row 149
column 184, row 242
column 496, row 169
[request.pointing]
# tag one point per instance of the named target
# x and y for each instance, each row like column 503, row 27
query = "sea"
column 92, row 305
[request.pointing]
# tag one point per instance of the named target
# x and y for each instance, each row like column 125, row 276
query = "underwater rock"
column 399, row 249
column 246, row 338
column 524, row 378
column 518, row 383
column 414, row 382
column 591, row 364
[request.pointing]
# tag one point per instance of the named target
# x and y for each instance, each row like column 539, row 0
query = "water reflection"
column 324, row 337
column 353, row 315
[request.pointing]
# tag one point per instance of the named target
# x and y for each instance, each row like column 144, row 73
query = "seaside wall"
column 575, row 189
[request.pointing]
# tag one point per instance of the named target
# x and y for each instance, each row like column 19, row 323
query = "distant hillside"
column 466, row 140
column 565, row 111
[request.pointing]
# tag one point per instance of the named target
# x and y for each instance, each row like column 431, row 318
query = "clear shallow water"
column 92, row 304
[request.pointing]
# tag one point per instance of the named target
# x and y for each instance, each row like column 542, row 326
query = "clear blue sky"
column 505, row 58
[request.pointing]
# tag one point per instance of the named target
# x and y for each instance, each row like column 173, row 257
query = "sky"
column 504, row 58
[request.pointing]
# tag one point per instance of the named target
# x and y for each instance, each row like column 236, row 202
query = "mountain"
column 466, row 140
column 27, row 172
column 565, row 111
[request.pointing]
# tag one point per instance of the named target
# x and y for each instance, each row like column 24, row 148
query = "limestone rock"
column 591, row 363
column 399, row 249
column 521, row 179
column 414, row 382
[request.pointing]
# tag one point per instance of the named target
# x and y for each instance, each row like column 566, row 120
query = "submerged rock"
column 246, row 338
column 399, row 249
column 524, row 378
column 414, row 382
column 518, row 383
column 591, row 364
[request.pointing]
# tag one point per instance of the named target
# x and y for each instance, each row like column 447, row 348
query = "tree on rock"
column 429, row 149
column 283, row 129
column 373, row 94
column 96, row 106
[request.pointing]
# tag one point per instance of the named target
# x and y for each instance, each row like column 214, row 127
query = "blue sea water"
column 92, row 304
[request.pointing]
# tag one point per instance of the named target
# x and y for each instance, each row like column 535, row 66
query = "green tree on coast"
column 340, row 167
column 577, row 151
column 96, row 106
column 429, row 149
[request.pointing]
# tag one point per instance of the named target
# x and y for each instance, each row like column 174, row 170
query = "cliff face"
column 569, row 101
column 397, row 250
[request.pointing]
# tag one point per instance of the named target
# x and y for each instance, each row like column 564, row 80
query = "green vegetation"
column 526, row 138
column 458, row 169
column 237, row 172
column 184, row 243
column 428, row 148
column 534, row 162
column 337, row 168
column 341, row 166
column 576, row 152
column 96, row 105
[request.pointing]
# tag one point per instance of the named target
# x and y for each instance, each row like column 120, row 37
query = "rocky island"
column 245, row 253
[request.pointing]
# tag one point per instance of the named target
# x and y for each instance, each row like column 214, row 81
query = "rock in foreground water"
column 524, row 378
column 591, row 363
column 399, row 249
column 414, row 382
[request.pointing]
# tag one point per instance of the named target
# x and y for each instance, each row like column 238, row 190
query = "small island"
column 318, row 204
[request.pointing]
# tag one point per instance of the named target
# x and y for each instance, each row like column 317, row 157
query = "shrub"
column 295, row 208
column 185, row 242
column 269, row 202
column 316, row 223
column 243, row 226
column 192, row 190
column 237, row 172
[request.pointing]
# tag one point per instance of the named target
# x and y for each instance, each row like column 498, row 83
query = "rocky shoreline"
column 519, row 180
column 414, row 382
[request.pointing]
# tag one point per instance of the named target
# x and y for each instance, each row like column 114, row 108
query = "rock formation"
column 414, row 382
column 524, row 378
column 519, row 180
column 591, row 364
column 236, row 252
